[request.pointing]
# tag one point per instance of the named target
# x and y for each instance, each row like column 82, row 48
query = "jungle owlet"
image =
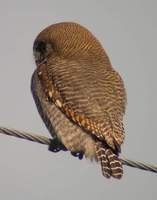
column 79, row 96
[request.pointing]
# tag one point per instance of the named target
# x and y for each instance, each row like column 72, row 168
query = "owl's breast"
column 71, row 135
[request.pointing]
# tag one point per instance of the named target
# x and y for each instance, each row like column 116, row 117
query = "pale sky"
column 128, row 32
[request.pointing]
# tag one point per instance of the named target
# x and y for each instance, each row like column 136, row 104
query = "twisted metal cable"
column 47, row 141
column 25, row 135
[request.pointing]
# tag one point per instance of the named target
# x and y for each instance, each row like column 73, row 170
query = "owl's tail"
column 110, row 163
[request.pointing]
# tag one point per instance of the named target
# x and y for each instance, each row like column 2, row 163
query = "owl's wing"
column 50, row 114
column 89, row 94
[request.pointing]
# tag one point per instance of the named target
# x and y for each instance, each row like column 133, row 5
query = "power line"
column 47, row 141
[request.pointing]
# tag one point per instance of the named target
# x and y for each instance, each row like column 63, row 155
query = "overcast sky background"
column 128, row 31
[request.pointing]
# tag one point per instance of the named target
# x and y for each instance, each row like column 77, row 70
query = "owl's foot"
column 56, row 146
column 77, row 154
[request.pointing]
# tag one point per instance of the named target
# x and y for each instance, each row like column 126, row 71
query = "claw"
column 77, row 154
column 56, row 146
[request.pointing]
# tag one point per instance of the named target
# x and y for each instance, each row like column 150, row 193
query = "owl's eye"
column 41, row 50
column 39, row 46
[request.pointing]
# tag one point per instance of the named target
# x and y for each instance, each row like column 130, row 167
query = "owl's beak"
column 38, row 57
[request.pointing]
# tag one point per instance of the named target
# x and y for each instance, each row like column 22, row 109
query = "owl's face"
column 41, row 51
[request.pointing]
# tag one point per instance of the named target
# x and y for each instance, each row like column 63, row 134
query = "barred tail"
column 110, row 163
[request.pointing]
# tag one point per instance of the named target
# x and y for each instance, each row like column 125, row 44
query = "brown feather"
column 78, row 82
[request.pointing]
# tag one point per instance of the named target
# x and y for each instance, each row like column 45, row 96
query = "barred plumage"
column 110, row 163
column 81, row 95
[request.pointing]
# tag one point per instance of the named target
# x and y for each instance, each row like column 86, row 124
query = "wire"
column 47, row 141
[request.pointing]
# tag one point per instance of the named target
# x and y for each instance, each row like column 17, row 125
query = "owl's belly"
column 71, row 135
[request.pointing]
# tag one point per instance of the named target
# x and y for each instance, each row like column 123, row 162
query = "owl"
column 79, row 95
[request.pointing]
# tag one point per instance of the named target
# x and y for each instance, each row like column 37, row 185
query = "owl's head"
column 67, row 40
